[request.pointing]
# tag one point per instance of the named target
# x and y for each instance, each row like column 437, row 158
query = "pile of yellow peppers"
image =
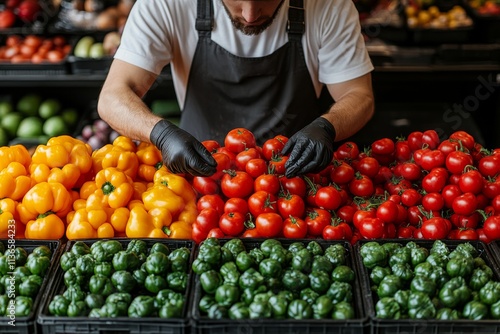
column 67, row 189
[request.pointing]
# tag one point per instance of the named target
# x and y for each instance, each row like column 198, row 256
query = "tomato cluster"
column 414, row 187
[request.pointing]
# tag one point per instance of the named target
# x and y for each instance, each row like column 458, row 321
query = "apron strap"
column 204, row 17
column 296, row 19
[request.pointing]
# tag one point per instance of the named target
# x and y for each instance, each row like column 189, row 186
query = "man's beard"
column 252, row 30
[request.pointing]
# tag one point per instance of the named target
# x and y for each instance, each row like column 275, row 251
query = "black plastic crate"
column 379, row 326
column 28, row 324
column 202, row 324
column 494, row 247
column 429, row 36
column 123, row 325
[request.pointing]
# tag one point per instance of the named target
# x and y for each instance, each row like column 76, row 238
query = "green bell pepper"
column 480, row 276
column 94, row 301
column 467, row 249
column 336, row 254
column 140, row 277
column 320, row 281
column 247, row 295
column 400, row 256
column 23, row 306
column 30, row 286
column 389, row 285
column 388, row 308
column 404, row 271
column 495, row 310
column 155, row 283
column 309, row 295
column 157, row 247
column 169, row 311
column 68, row 260
column 157, row 264
column 217, row 311
column 104, row 269
column 168, row 296
column 226, row 295
column 295, row 280
column 211, row 280
column 302, row 260
column 124, row 260
column 38, row 265
column 454, row 293
column 230, row 273
column 401, row 297
column 322, row 307
column 373, row 254
column 300, row 309
column 258, row 255
column 205, row 303
column 73, row 277
column 104, row 251
column 101, row 285
column 295, row 247
column 490, row 293
column 270, row 268
column 475, row 310
column 446, row 313
column 142, row 306
column 279, row 306
column 20, row 255
column 123, row 281
column 177, row 281
column 378, row 273
column 140, row 247
column 121, row 300
column 199, row 266
column 420, row 306
column 281, row 255
column 59, row 306
column 179, row 259
column 244, row 261
column 421, row 283
column 439, row 247
column 391, row 247
column 314, row 248
column 343, row 273
column 210, row 254
column 321, row 263
column 85, row 265
column 80, row 248
column 77, row 309
column 267, row 245
column 343, row 311
column 239, row 311
column 226, row 256
column 437, row 260
column 251, row 278
column 74, row 294
column 235, row 246
column 418, row 254
column 460, row 266
column 339, row 292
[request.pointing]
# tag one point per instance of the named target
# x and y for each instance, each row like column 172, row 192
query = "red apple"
column 7, row 19
column 28, row 10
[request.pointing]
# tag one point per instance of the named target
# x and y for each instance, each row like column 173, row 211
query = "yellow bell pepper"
column 160, row 196
column 178, row 184
column 14, row 181
column 10, row 225
column 148, row 224
column 115, row 185
column 18, row 153
column 150, row 161
column 64, row 159
column 45, row 199
column 139, row 188
column 121, row 154
column 180, row 230
column 45, row 226
column 87, row 189
column 119, row 219
column 88, row 224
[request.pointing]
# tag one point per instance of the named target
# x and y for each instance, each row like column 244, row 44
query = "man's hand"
column 181, row 152
column 310, row 149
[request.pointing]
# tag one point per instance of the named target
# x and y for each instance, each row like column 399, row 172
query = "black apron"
column 269, row 95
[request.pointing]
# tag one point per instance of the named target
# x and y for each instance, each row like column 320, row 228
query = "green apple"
column 70, row 116
column 10, row 123
column 29, row 104
column 49, row 108
column 30, row 127
column 55, row 126
column 5, row 108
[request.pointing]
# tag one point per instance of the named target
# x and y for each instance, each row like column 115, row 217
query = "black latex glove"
column 181, row 152
column 310, row 149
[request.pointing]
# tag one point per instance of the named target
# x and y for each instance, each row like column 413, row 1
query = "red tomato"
column 361, row 186
column 491, row 188
column 415, row 140
column 457, row 161
column 197, row 234
column 262, row 202
column 402, row 151
column 291, row 205
column 414, row 215
column 246, row 155
column 368, row 166
column 410, row 171
column 328, row 198
column 465, row 234
column 435, row 181
column 471, row 181
column 489, row 165
column 277, row 164
column 434, row 228
column 232, row 223
column 223, row 163
column 411, row 197
column 346, row 213
column 295, row 228
column 211, row 145
column 239, row 139
column 316, row 220
column 449, row 193
column 342, row 173
column 464, row 204
column 491, row 227
column 236, row 204
column 448, row 145
column 205, row 185
column 256, row 167
column 267, row 182
column 215, row 233
column 461, row 221
column 333, row 232
column 431, row 139
column 236, row 184
column 387, row 211
column 432, row 159
column 231, row 155
column 433, row 201
column 295, row 185
column 384, row 146
column 495, row 203
column 465, row 138
column 347, row 151
column 405, row 232
column 372, row 228
column 251, row 233
column 269, row 225
column 360, row 215
column 272, row 147
column 213, row 201
column 397, row 185
column 207, row 219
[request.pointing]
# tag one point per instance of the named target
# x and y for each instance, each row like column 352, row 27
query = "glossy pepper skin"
column 142, row 306
column 150, row 161
column 373, row 255
column 15, row 181
column 8, row 214
column 120, row 154
column 454, row 293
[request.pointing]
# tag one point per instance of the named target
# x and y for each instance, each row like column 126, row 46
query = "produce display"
column 441, row 281
column 109, row 279
column 486, row 7
column 301, row 280
column 34, row 49
column 33, row 117
column 88, row 47
column 433, row 17
column 22, row 13
column 23, row 272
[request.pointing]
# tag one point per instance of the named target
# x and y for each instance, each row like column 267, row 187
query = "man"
column 242, row 63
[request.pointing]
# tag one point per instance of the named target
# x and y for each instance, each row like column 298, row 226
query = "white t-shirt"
column 159, row 32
